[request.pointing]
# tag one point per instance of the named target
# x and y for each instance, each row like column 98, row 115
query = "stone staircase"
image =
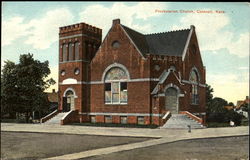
column 56, row 119
column 181, row 121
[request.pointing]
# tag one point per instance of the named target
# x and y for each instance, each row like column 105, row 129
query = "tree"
column 217, row 105
column 245, row 107
column 216, row 111
column 209, row 95
column 24, row 85
column 8, row 89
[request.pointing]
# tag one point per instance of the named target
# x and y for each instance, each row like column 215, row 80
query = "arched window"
column 194, row 79
column 115, row 44
column 71, row 56
column 116, row 86
column 65, row 52
column 77, row 56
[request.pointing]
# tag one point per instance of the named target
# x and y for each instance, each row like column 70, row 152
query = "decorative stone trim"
column 101, row 82
column 187, row 43
column 115, row 65
column 70, row 89
column 73, row 36
column 120, row 114
column 74, row 61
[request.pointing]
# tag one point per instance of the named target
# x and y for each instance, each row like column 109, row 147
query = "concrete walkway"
column 164, row 135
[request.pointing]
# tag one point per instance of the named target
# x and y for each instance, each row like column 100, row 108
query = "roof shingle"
column 167, row 43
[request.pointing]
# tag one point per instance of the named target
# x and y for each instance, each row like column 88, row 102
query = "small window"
column 92, row 119
column 63, row 72
column 157, row 67
column 140, row 120
column 77, row 71
column 115, row 44
column 108, row 119
column 124, row 120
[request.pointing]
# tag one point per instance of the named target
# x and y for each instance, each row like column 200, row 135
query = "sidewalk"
column 164, row 135
column 131, row 132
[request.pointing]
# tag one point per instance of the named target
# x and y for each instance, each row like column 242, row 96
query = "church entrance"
column 68, row 101
column 171, row 102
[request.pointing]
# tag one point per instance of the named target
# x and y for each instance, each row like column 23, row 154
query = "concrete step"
column 181, row 121
column 56, row 119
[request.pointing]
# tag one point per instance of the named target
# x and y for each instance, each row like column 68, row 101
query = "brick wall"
column 91, row 96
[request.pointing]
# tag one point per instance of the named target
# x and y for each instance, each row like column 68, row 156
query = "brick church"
column 129, row 77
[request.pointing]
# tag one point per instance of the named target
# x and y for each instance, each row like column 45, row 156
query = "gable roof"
column 167, row 43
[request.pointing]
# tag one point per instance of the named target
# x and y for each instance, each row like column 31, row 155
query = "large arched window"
column 116, row 86
column 194, row 79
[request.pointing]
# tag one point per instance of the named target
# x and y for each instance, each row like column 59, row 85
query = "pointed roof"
column 167, row 43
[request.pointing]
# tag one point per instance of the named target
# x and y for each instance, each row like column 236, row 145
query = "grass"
column 245, row 122
column 216, row 124
column 115, row 125
column 12, row 121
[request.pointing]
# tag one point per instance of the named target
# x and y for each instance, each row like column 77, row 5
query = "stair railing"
column 192, row 116
column 49, row 116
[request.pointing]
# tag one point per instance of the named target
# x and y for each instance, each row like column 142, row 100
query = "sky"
column 222, row 30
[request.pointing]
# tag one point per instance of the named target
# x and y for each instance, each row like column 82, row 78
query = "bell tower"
column 78, row 44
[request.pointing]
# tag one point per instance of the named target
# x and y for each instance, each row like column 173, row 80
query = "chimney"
column 116, row 21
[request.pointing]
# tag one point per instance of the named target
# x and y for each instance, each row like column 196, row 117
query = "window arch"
column 194, row 80
column 116, row 86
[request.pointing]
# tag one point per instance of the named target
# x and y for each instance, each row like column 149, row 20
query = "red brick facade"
column 149, row 76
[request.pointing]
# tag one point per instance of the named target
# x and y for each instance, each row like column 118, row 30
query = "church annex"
column 129, row 77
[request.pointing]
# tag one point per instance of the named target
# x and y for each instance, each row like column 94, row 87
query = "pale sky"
column 32, row 27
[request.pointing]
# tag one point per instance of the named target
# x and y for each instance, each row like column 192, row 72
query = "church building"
column 129, row 77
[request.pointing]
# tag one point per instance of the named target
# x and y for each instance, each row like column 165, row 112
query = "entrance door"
column 69, row 101
column 171, row 100
column 65, row 106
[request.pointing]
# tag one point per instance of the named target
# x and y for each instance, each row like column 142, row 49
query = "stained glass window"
column 193, row 77
column 116, row 74
column 115, row 90
column 194, row 91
